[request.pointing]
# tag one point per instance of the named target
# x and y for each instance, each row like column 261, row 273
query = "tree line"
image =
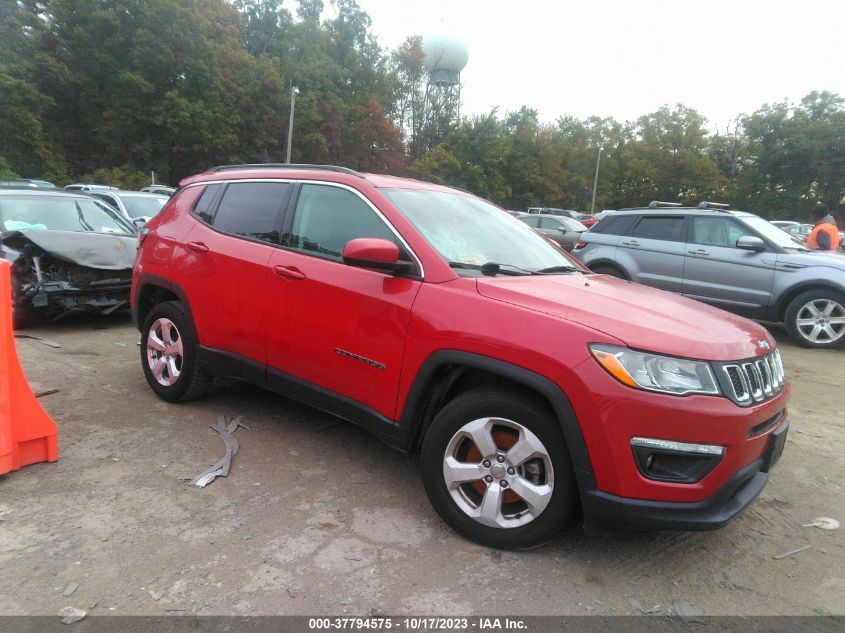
column 109, row 90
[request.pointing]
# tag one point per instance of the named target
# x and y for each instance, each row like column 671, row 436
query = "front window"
column 20, row 213
column 469, row 232
column 328, row 217
column 716, row 232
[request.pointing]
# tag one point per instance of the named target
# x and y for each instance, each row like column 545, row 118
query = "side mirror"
column 140, row 221
column 562, row 229
column 371, row 252
column 751, row 243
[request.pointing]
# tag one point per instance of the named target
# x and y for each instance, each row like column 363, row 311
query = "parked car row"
column 733, row 260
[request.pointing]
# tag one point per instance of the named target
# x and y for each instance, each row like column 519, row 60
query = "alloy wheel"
column 498, row 472
column 164, row 352
column 821, row 321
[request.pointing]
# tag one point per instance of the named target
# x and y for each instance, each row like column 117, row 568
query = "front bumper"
column 607, row 511
column 61, row 298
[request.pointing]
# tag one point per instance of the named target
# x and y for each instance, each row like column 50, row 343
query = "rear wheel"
column 169, row 354
column 496, row 469
column 816, row 318
column 609, row 270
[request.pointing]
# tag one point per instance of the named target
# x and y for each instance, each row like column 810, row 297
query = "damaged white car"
column 70, row 253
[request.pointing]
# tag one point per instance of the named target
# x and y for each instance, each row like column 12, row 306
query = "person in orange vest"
column 825, row 233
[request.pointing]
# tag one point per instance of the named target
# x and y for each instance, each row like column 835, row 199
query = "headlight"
column 665, row 374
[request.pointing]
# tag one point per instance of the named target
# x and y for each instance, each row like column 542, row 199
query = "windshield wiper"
column 558, row 269
column 491, row 269
column 82, row 221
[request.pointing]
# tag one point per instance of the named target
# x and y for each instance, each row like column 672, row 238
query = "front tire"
column 169, row 355
column 816, row 319
column 496, row 469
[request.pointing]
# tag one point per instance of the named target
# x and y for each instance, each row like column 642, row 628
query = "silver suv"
column 730, row 259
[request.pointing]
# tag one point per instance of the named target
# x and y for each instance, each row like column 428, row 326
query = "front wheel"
column 817, row 319
column 169, row 355
column 496, row 469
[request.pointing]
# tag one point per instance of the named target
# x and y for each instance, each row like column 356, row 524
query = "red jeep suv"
column 532, row 387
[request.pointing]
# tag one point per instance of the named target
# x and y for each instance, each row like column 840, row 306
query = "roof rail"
column 343, row 170
column 718, row 206
column 656, row 204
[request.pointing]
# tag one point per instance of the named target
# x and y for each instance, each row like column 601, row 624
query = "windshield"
column 772, row 233
column 468, row 230
column 19, row 213
column 143, row 206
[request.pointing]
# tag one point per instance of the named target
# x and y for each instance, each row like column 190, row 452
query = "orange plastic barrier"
column 27, row 434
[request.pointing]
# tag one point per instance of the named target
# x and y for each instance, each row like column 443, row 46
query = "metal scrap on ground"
column 40, row 390
column 824, row 523
column 46, row 341
column 221, row 468
column 791, row 552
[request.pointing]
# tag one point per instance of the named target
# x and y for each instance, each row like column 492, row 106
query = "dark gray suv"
column 731, row 259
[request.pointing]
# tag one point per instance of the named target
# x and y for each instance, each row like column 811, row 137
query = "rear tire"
column 611, row 271
column 169, row 355
column 497, row 470
column 816, row 319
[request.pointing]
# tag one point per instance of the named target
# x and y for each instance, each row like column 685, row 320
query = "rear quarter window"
column 666, row 228
column 614, row 225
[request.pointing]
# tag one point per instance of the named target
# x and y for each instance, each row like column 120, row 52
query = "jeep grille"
column 754, row 380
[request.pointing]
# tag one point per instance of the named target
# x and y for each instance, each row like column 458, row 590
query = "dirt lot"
column 318, row 517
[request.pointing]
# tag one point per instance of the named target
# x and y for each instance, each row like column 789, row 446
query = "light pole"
column 596, row 182
column 293, row 92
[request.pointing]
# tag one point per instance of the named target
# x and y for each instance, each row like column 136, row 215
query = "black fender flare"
column 146, row 280
column 555, row 396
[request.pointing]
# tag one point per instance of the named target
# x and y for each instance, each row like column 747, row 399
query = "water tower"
column 444, row 59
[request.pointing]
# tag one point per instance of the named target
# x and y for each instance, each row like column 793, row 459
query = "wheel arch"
column 152, row 290
column 789, row 295
column 448, row 373
column 609, row 263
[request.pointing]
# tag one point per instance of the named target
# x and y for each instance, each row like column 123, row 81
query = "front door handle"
column 631, row 243
column 699, row 251
column 289, row 272
column 197, row 247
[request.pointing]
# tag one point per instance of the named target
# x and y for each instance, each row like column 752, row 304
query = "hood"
column 93, row 250
column 643, row 318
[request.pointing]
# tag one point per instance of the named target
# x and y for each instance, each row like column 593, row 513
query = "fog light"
column 678, row 462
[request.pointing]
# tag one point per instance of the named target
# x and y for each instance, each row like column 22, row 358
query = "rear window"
column 251, row 209
column 614, row 224
column 667, row 228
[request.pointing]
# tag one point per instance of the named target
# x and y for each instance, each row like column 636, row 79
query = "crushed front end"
column 51, row 285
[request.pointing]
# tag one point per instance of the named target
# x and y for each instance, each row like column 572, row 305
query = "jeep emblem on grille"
column 763, row 344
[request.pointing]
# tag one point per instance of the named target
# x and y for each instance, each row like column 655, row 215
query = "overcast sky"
column 626, row 58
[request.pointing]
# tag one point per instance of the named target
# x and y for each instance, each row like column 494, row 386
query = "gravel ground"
column 318, row 517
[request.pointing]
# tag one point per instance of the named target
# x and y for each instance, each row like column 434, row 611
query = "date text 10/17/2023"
column 417, row 623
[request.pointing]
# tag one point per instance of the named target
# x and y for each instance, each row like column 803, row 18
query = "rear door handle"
column 289, row 272
column 197, row 247
column 631, row 243
column 699, row 251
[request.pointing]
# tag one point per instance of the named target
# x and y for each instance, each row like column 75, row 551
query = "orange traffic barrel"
column 27, row 434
